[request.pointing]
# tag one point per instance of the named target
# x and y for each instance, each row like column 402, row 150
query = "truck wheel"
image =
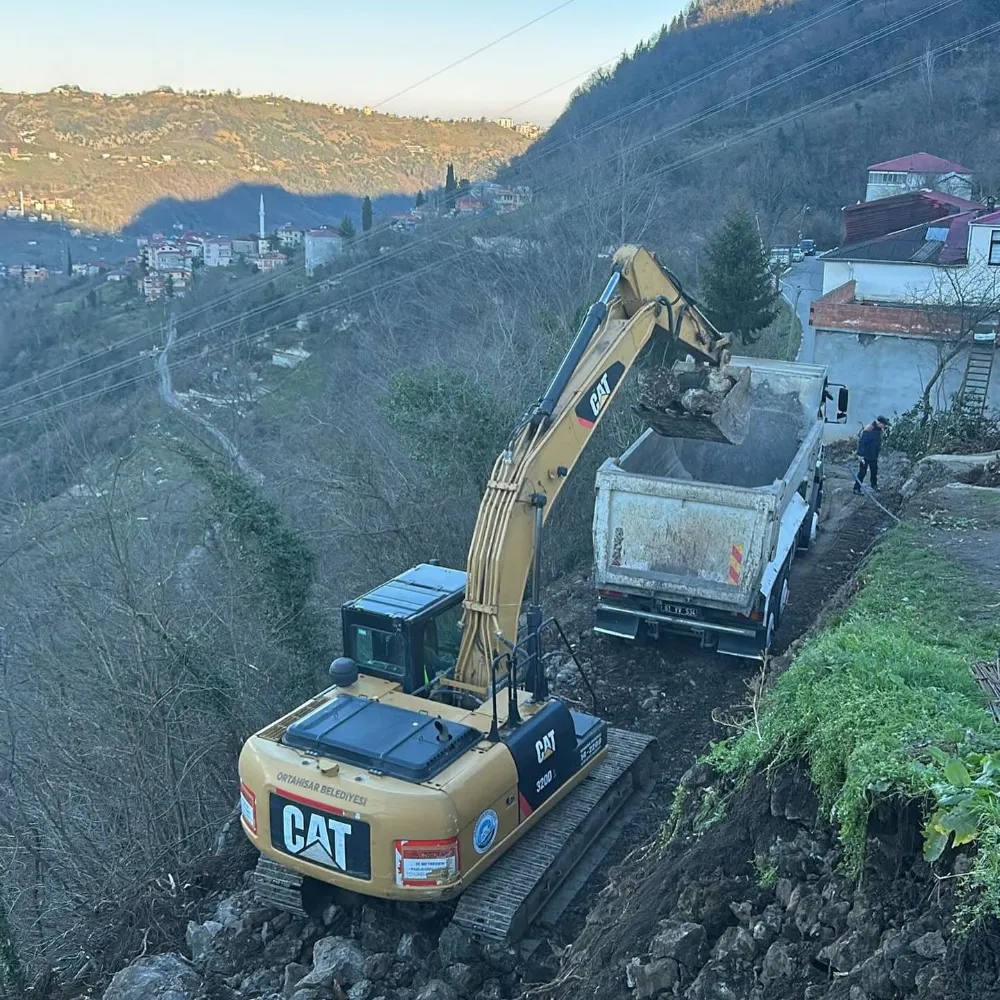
column 809, row 527
column 772, row 626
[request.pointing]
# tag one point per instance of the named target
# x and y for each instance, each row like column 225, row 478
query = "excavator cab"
column 407, row 629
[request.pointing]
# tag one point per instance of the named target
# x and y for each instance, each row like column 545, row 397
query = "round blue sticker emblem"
column 485, row 831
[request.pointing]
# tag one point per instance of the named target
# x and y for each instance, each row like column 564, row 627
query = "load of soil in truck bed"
column 707, row 404
column 777, row 426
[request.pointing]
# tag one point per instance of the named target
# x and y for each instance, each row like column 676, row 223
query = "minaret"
column 261, row 233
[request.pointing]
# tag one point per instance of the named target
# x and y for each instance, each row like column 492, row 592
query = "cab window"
column 441, row 640
column 378, row 651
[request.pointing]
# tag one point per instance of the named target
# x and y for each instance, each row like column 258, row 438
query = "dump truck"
column 695, row 537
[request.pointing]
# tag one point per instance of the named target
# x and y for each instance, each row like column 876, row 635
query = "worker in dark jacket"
column 869, row 444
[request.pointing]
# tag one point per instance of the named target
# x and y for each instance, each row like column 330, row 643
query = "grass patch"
column 882, row 704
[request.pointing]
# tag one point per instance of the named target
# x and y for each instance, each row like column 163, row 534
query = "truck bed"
column 700, row 521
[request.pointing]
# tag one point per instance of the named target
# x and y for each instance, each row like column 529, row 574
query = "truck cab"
column 407, row 629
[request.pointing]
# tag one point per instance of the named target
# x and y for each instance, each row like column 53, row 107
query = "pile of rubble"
column 696, row 925
column 245, row 951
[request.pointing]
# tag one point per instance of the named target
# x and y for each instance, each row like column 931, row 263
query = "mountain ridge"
column 102, row 159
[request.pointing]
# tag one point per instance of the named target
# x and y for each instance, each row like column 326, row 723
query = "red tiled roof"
column 921, row 163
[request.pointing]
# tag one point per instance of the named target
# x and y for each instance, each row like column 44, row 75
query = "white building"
column 269, row 261
column 289, row 236
column 917, row 171
column 322, row 246
column 218, row 251
column 887, row 316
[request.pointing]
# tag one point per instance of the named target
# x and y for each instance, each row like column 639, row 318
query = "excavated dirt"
column 668, row 688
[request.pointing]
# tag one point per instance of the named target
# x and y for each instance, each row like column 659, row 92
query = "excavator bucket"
column 696, row 401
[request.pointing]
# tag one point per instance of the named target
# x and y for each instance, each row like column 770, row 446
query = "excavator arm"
column 642, row 303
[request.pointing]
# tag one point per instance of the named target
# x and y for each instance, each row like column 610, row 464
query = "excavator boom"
column 641, row 305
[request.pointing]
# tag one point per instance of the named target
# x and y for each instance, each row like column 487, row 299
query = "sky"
column 352, row 53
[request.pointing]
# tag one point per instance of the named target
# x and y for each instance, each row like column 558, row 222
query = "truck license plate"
column 680, row 611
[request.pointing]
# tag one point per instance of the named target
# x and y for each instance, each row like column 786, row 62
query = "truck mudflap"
column 619, row 624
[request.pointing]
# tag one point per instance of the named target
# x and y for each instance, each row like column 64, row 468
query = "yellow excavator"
column 437, row 764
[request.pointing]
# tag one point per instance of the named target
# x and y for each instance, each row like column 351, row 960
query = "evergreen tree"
column 737, row 284
column 366, row 214
column 450, row 187
column 420, row 198
column 169, row 286
column 69, row 262
column 347, row 228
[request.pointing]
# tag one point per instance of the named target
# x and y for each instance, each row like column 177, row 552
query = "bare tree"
column 959, row 304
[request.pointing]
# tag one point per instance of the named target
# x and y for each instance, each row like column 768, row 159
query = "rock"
column 378, row 967
column 736, row 944
column 875, row 980
column 893, row 944
column 415, row 945
column 363, row 989
column 491, row 990
column 285, row 948
column 698, row 775
column 783, row 891
column 655, row 978
column 715, row 983
column 336, row 917
column 499, row 957
column 466, row 979
column 686, row 943
column 767, row 927
column 778, row 963
column 930, row 945
column 904, row 972
column 792, row 797
column 294, row 974
column 436, row 989
column 335, row 960
column 631, row 967
column 155, row 977
column 932, row 983
column 847, row 951
column 200, row 938
column 455, row 945
column 231, row 912
column 857, row 993
column 708, row 904
column 316, row 994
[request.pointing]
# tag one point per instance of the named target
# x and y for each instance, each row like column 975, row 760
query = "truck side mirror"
column 842, row 397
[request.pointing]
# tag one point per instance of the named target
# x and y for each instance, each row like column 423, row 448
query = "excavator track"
column 277, row 886
column 542, row 873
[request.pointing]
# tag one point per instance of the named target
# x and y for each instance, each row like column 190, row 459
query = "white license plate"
column 680, row 611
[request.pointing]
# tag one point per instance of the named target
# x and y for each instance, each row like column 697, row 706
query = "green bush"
column 943, row 432
column 882, row 705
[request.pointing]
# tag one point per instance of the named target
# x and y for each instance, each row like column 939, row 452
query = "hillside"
column 114, row 156
column 661, row 140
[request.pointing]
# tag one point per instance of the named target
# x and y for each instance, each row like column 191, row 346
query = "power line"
column 611, row 118
column 748, row 134
column 557, row 183
column 471, row 55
